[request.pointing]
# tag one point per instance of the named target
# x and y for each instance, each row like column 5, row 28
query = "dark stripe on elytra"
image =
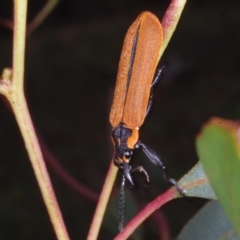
column 132, row 58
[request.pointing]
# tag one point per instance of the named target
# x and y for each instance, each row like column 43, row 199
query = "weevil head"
column 126, row 171
column 122, row 156
column 124, row 140
column 121, row 160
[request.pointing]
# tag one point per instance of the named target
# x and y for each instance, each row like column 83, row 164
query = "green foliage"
column 197, row 182
column 210, row 222
column 218, row 150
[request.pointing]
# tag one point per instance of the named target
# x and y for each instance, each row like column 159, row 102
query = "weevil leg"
column 142, row 170
column 158, row 75
column 155, row 159
column 156, row 79
column 150, row 103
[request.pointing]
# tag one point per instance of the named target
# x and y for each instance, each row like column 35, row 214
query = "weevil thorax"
column 124, row 140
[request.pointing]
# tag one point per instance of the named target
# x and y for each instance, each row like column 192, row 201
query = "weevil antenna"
column 121, row 206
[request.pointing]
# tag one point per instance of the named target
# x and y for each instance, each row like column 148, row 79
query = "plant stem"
column 52, row 161
column 170, row 21
column 19, row 31
column 146, row 211
column 42, row 15
column 24, row 121
column 14, row 93
column 102, row 203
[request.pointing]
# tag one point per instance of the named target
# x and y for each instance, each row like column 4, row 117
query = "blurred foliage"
column 218, row 150
column 71, row 66
column 210, row 222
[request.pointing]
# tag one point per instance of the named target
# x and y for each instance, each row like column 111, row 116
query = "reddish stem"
column 65, row 176
column 162, row 225
column 146, row 212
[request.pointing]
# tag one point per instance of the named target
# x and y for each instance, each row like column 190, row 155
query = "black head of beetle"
column 123, row 152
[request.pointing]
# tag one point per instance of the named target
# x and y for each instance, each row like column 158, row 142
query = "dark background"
column 71, row 67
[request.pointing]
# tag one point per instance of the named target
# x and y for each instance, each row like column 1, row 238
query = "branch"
column 12, row 89
column 170, row 21
column 102, row 203
column 41, row 16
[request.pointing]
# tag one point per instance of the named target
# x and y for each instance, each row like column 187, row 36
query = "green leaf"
column 218, row 149
column 210, row 222
column 196, row 183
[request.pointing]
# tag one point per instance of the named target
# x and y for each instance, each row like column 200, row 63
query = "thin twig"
column 6, row 22
column 42, row 15
column 52, row 161
column 146, row 211
column 102, row 203
column 170, row 21
column 14, row 93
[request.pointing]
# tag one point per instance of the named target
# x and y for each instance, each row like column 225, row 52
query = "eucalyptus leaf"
column 218, row 149
column 196, row 183
column 210, row 222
